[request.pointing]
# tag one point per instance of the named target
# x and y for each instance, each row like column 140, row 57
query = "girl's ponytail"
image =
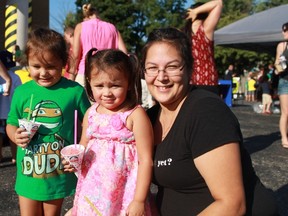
column 136, row 77
column 87, row 73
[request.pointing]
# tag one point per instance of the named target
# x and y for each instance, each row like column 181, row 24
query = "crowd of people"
column 186, row 141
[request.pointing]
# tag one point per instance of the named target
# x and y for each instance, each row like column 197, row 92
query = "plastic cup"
column 2, row 88
column 30, row 126
column 74, row 155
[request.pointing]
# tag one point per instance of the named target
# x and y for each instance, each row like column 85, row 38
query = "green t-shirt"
column 40, row 174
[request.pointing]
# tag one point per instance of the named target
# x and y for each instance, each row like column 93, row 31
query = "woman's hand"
column 22, row 137
column 135, row 208
column 191, row 14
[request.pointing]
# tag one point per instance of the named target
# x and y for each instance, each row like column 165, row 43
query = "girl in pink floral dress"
column 117, row 166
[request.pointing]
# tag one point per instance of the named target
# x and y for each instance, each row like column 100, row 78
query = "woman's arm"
column 121, row 44
column 4, row 74
column 214, row 9
column 279, row 51
column 221, row 169
column 143, row 133
column 76, row 52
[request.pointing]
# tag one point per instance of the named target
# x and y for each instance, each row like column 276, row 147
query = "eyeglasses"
column 170, row 70
column 285, row 30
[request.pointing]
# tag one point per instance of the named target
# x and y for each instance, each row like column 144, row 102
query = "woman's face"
column 167, row 88
column 285, row 34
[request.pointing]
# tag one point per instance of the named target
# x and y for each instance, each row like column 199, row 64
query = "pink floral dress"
column 107, row 181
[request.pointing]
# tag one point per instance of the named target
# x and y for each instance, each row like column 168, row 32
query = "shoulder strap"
column 285, row 46
column 128, row 113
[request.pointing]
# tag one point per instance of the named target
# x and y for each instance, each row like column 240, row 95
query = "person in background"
column 17, row 53
column 92, row 33
column 5, row 102
column 282, row 51
column 117, row 134
column 4, row 74
column 50, row 100
column 202, row 19
column 229, row 73
column 259, row 72
column 200, row 164
column 68, row 36
column 274, row 80
column 251, row 87
column 265, row 86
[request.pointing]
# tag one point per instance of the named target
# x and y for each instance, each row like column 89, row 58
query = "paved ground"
column 261, row 137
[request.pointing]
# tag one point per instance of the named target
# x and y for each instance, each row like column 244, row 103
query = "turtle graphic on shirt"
column 42, row 158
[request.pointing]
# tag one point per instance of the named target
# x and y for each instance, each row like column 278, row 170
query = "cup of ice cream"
column 74, row 155
column 30, row 126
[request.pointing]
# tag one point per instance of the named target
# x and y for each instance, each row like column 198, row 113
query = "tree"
column 269, row 4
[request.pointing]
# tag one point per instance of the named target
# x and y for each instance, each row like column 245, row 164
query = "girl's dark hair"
column 103, row 60
column 285, row 27
column 43, row 40
column 202, row 16
column 175, row 38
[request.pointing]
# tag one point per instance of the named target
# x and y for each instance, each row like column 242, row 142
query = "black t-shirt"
column 204, row 123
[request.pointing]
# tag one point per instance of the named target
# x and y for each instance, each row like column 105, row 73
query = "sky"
column 58, row 11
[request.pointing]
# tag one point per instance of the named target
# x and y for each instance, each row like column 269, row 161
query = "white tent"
column 259, row 32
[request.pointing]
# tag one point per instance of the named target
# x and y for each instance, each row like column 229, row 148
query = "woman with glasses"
column 202, row 19
column 200, row 165
column 282, row 70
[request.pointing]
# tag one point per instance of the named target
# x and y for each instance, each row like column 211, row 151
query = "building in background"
column 17, row 17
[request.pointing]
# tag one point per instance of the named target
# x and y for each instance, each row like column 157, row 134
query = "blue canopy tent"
column 260, row 32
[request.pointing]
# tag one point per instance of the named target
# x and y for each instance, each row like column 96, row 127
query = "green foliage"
column 70, row 20
column 136, row 18
column 269, row 4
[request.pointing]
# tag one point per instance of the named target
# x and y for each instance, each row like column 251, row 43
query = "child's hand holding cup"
column 25, row 132
column 73, row 156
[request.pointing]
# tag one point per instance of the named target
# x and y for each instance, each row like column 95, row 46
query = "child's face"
column 45, row 68
column 68, row 37
column 109, row 89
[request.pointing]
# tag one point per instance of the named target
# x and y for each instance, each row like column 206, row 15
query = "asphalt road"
column 261, row 138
